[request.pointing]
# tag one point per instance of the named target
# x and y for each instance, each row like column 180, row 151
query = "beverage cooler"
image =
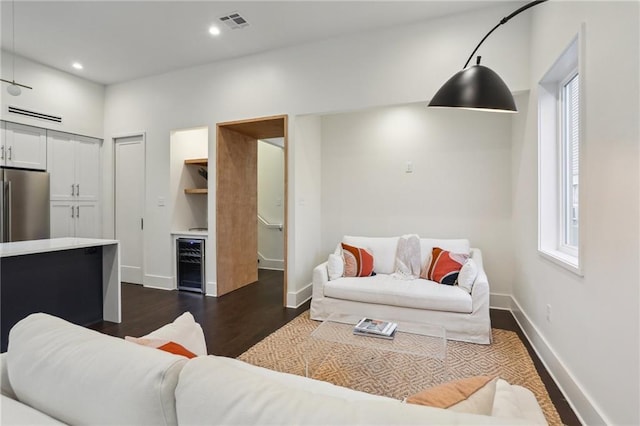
column 191, row 264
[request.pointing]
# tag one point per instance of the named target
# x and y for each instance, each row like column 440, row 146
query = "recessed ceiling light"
column 77, row 65
column 213, row 30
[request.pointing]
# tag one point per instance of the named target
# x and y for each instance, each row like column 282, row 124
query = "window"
column 569, row 128
column 559, row 129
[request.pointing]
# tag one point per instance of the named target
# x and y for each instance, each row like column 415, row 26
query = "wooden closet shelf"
column 198, row 161
column 196, row 191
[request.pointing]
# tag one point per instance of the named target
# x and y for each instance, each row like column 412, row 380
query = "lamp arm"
column 13, row 83
column 502, row 22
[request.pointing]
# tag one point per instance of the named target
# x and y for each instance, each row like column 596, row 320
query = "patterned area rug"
column 285, row 349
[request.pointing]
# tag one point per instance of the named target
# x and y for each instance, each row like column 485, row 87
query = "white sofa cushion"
column 80, row 376
column 383, row 250
column 386, row 290
column 16, row 413
column 249, row 397
column 461, row 245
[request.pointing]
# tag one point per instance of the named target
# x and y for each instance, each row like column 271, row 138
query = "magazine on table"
column 375, row 328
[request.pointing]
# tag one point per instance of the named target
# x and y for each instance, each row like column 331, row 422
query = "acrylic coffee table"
column 414, row 359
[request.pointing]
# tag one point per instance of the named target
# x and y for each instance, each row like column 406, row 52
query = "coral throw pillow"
column 163, row 345
column 473, row 395
column 443, row 266
column 358, row 262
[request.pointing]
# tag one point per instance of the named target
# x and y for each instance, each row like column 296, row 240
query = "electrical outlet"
column 548, row 313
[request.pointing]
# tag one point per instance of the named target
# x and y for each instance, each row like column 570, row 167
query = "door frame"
column 114, row 139
column 260, row 128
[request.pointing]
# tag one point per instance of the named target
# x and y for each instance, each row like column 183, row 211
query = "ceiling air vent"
column 234, row 21
column 33, row 114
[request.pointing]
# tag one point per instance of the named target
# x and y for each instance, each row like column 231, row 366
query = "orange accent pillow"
column 163, row 345
column 358, row 262
column 471, row 395
column 443, row 266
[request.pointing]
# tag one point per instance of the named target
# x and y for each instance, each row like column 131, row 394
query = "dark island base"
column 67, row 284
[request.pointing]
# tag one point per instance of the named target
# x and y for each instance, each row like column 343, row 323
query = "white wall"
column 189, row 210
column 271, row 204
column 79, row 102
column 460, row 186
column 408, row 64
column 591, row 345
column 306, row 202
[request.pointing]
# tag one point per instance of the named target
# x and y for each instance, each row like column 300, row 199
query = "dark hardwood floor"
column 238, row 320
column 231, row 323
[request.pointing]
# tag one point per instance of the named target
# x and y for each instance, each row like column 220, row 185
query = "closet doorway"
column 237, row 199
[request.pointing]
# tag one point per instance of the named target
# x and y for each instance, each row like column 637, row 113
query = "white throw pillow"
column 467, row 275
column 335, row 266
column 185, row 331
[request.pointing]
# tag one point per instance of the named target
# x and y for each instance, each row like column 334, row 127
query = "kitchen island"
column 77, row 279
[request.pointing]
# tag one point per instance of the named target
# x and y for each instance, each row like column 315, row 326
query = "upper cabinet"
column 74, row 166
column 23, row 146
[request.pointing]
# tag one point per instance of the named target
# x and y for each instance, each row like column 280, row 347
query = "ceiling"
column 123, row 40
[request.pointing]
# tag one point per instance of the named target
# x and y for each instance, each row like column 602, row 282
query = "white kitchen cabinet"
column 74, row 167
column 75, row 219
column 63, row 219
column 88, row 220
column 23, row 147
column 74, row 177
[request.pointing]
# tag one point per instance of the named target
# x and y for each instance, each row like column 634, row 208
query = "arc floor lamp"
column 479, row 87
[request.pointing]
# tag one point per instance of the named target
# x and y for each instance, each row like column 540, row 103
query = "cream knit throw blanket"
column 408, row 258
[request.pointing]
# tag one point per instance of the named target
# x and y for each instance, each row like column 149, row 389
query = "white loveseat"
column 464, row 316
column 55, row 373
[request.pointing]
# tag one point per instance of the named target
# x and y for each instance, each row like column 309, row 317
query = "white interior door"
column 129, row 205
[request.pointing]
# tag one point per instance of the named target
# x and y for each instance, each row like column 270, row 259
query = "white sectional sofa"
column 55, row 373
column 464, row 316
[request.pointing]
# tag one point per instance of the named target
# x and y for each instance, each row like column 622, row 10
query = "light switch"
column 161, row 201
column 278, row 202
column 409, row 168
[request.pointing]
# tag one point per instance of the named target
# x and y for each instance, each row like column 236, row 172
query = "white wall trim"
column 266, row 263
column 211, row 289
column 295, row 299
column 159, row 282
column 500, row 301
column 584, row 407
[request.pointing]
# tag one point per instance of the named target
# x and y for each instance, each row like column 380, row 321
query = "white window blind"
column 570, row 161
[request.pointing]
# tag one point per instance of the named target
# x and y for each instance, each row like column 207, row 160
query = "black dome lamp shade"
column 478, row 87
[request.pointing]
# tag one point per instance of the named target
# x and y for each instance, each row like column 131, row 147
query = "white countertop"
column 191, row 233
column 19, row 248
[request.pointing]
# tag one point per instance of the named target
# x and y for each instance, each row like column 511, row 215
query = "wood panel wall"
column 236, row 210
column 237, row 199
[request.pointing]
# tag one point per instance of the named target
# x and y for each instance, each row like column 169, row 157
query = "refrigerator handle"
column 6, row 223
column 2, row 209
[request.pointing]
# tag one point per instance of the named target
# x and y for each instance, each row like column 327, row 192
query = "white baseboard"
column 584, row 407
column 266, row 263
column 211, row 289
column 269, row 268
column 500, row 301
column 131, row 274
column 296, row 299
column 160, row 282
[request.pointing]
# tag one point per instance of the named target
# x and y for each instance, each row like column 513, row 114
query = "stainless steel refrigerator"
column 24, row 205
